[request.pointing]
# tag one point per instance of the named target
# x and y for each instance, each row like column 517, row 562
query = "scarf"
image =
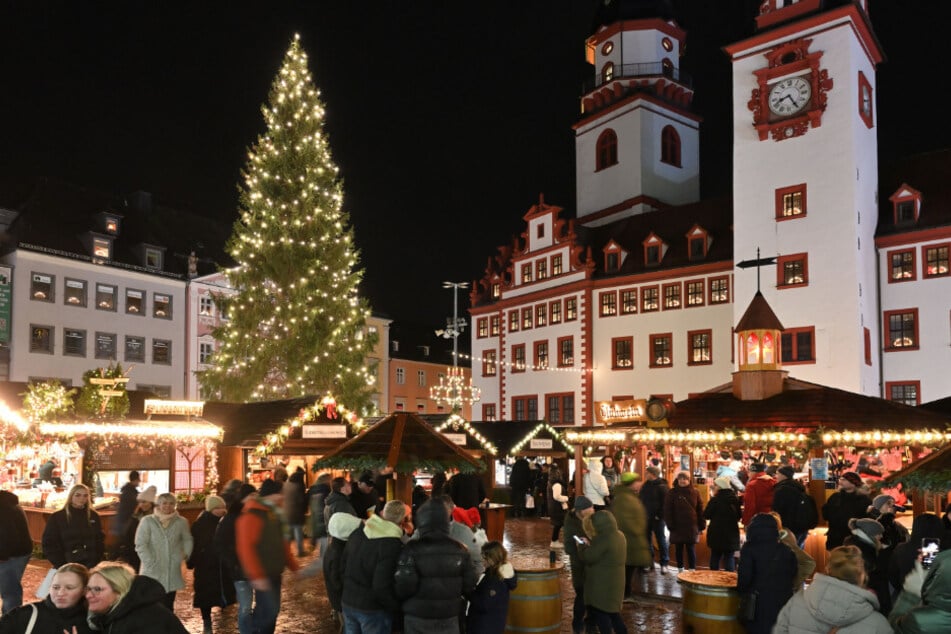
column 164, row 518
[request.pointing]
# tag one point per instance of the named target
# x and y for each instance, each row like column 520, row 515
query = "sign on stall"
column 323, row 431
column 456, row 439
column 540, row 443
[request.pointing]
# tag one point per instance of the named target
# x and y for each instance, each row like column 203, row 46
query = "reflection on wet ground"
column 305, row 609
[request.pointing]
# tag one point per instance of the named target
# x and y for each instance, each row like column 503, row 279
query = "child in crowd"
column 489, row 604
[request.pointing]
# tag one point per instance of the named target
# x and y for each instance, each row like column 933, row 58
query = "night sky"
column 447, row 119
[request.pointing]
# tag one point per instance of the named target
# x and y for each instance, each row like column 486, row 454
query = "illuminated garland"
column 148, row 433
column 326, row 407
column 456, row 422
column 521, row 367
column 47, row 400
column 540, row 427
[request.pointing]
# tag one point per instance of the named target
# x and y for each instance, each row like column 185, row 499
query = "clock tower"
column 805, row 177
column 637, row 143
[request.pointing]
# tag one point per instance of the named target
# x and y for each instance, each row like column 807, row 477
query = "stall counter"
column 37, row 517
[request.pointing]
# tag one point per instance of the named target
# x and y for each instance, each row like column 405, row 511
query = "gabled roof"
column 403, row 442
column 245, row 424
column 801, row 406
column 926, row 173
column 933, row 472
column 759, row 316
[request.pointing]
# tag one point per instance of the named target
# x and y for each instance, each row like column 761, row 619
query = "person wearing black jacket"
column 843, row 505
column 433, row 575
column 796, row 508
column 16, row 546
column 121, row 602
column 213, row 585
column 653, row 492
column 128, row 502
column 723, row 530
column 74, row 534
column 63, row 610
column 339, row 499
column 767, row 566
column 906, row 554
column 521, row 481
column 225, row 545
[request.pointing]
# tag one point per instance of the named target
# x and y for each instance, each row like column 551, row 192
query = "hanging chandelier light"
column 454, row 390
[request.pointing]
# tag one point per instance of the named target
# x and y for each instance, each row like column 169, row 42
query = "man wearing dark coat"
column 467, row 490
column 433, row 575
column 790, row 500
column 843, row 505
column 521, row 482
column 339, row 499
column 723, row 531
column 365, row 496
column 128, row 500
column 213, row 585
column 574, row 527
column 653, row 492
column 16, row 546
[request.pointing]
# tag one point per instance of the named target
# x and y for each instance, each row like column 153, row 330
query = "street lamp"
column 453, row 390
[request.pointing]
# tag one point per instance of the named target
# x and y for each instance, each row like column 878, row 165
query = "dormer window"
column 111, row 225
column 613, row 257
column 697, row 243
column 102, row 248
column 153, row 258
column 906, row 205
column 654, row 250
column 496, row 290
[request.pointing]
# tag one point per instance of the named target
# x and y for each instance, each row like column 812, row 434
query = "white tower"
column 637, row 142
column 805, row 184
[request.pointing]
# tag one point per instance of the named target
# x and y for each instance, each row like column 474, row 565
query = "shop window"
column 105, row 297
column 162, row 351
column 74, row 342
column 106, row 345
column 135, row 348
column 622, row 353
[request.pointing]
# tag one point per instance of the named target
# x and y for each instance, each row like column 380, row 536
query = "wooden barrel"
column 535, row 604
column 710, row 602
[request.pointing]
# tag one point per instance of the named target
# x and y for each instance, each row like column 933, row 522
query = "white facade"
column 96, row 314
column 204, row 315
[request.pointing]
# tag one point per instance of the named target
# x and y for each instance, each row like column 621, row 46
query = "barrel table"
column 710, row 602
column 535, row 604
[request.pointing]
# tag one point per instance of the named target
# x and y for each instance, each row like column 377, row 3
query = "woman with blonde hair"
column 74, row 533
column 837, row 600
column 63, row 609
column 163, row 542
column 121, row 602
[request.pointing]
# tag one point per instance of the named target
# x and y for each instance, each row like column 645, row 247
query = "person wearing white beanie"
column 339, row 529
column 723, row 532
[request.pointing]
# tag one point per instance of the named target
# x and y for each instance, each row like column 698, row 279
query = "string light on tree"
column 297, row 323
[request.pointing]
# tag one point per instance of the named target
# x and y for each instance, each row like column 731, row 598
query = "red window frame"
column 488, row 411
column 541, row 361
column 781, row 193
column 781, row 263
column 527, row 273
column 650, row 290
column 563, row 360
column 490, row 363
column 556, row 266
column 527, row 318
column 554, row 312
column 495, row 325
column 673, row 296
column 607, row 301
column 691, row 349
column 908, row 267
column 541, row 269
column 713, row 295
column 616, row 362
column 890, row 385
column 571, row 308
column 655, row 340
column 628, row 301
column 890, row 346
column 797, row 357
column 605, row 154
column 866, row 101
column 541, row 315
column 482, row 327
column 670, row 146
column 519, row 362
column 690, row 296
column 925, row 273
column 514, row 320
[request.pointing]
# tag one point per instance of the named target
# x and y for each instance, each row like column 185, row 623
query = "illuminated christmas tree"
column 296, row 326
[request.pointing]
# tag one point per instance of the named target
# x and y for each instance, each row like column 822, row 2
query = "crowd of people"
column 428, row 566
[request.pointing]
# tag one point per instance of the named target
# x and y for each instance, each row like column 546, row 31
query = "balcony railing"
column 631, row 71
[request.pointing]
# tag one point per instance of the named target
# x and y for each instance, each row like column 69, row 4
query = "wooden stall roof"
column 245, row 424
column 933, row 472
column 403, row 442
column 801, row 406
column 941, row 406
column 508, row 435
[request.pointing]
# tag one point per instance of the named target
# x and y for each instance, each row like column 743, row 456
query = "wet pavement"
column 305, row 608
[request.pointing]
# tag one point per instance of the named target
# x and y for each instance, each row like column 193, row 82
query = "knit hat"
column 582, row 503
column 148, row 495
column 787, row 471
column 654, row 471
column 213, row 502
column 366, row 478
column 270, row 487
column 460, row 516
column 474, row 516
column 868, row 526
column 628, row 477
column 882, row 500
column 723, row 482
column 853, row 477
column 341, row 525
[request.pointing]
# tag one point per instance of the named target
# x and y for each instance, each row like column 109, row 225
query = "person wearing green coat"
column 603, row 553
column 632, row 521
column 924, row 605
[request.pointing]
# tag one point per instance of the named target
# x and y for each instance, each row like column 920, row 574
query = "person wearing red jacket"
column 758, row 497
column 264, row 553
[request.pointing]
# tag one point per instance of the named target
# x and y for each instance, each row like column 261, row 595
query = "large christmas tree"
column 296, row 325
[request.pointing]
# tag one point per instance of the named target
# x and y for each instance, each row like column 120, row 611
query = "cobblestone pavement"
column 305, row 609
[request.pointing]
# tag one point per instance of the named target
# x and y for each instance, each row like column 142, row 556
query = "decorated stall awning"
column 931, row 473
column 178, row 431
column 802, row 414
column 402, row 442
column 523, row 438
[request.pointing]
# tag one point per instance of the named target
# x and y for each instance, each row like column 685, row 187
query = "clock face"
column 789, row 96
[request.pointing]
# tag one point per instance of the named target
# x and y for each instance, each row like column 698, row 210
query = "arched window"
column 607, row 150
column 670, row 146
column 607, row 72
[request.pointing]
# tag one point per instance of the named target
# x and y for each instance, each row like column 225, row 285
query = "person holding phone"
column 924, row 604
column 926, row 525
